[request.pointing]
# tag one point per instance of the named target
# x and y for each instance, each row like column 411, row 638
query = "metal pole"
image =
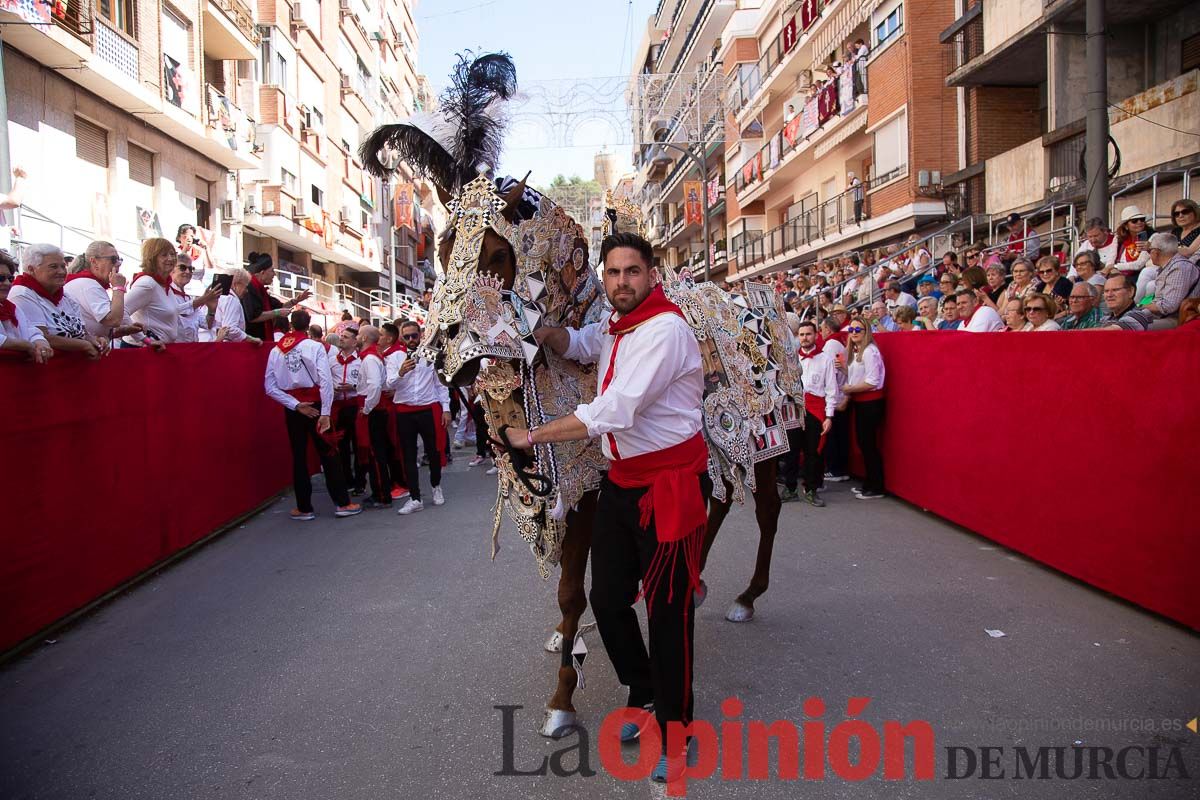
column 1097, row 112
column 5, row 170
column 704, row 204
column 388, row 226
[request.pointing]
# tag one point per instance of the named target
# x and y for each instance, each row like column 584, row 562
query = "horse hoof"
column 554, row 643
column 700, row 594
column 739, row 613
column 556, row 723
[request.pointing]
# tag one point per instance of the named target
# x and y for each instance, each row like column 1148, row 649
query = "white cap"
column 1129, row 212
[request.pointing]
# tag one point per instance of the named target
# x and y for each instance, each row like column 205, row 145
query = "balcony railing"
column 831, row 217
column 745, row 87
column 230, row 124
column 1064, row 162
column 241, row 16
column 73, row 16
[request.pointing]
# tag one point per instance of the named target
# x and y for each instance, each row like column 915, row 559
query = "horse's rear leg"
column 766, row 511
column 572, row 601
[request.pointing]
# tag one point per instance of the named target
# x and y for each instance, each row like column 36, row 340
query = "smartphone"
column 224, row 281
column 1144, row 236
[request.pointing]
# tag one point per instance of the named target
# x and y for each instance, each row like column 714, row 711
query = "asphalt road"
column 364, row 658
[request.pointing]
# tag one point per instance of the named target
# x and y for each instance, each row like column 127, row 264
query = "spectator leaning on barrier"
column 153, row 300
column 16, row 334
column 865, row 386
column 94, row 273
column 195, row 314
column 1122, row 313
column 231, row 315
column 1083, row 308
column 976, row 318
column 1178, row 279
column 38, row 295
column 1039, row 312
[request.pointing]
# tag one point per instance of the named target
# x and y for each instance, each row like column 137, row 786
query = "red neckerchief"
column 344, row 360
column 655, row 303
column 87, row 273
column 173, row 289
column 372, row 350
column 1129, row 249
column 261, row 290
column 8, row 312
column 164, row 282
column 395, row 347
column 30, row 282
column 818, row 347
column 967, row 321
column 290, row 340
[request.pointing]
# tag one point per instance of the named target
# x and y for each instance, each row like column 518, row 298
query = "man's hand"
column 221, row 333
column 344, row 387
column 323, row 424
column 254, row 340
column 557, row 339
column 519, row 438
column 156, row 345
column 445, row 419
column 408, row 366
column 127, row 330
column 300, row 298
column 826, row 424
column 307, row 410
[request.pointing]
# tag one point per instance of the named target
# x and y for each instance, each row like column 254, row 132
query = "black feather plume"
column 470, row 106
column 427, row 157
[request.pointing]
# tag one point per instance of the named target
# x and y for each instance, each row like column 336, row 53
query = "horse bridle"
column 522, row 463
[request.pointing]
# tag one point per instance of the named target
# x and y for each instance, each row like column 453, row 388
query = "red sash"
column 815, row 405
column 863, row 397
column 287, row 343
column 306, row 394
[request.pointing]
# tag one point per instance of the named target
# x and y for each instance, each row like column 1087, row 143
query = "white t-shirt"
column 64, row 319
column 984, row 320
column 94, row 303
column 20, row 329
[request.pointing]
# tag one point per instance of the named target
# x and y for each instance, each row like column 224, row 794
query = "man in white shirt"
column 391, row 350
column 895, row 296
column 647, row 413
column 345, row 369
column 298, row 378
column 422, row 405
column 371, row 379
column 820, row 404
column 231, row 316
column 41, row 302
column 837, row 446
column 1100, row 240
column 976, row 317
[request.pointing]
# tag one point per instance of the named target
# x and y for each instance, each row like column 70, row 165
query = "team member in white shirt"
column 864, row 385
column 298, row 379
column 371, row 379
column 345, row 369
column 820, row 405
column 422, row 406
column 40, row 301
column 837, row 446
column 392, row 352
column 974, row 315
column 647, row 413
column 17, row 335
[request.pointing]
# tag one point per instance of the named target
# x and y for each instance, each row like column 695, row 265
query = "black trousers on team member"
column 837, row 445
column 868, row 418
column 353, row 463
column 302, row 430
column 483, row 446
column 410, row 424
column 808, row 442
column 380, row 470
column 621, row 554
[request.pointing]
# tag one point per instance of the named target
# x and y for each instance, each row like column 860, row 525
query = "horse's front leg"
column 766, row 511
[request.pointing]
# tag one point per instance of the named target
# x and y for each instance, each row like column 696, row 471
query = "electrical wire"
column 1152, row 122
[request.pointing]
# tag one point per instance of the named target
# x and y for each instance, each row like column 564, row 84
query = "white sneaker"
column 493, row 469
column 411, row 507
column 439, row 499
column 476, row 461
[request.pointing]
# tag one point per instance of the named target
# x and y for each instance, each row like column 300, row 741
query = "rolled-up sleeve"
column 585, row 343
column 873, row 365
column 646, row 366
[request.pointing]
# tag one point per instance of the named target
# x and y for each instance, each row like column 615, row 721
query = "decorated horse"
column 514, row 261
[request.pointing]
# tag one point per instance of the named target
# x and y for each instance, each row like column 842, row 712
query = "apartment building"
column 675, row 91
column 131, row 117
column 799, row 123
column 327, row 73
column 1019, row 68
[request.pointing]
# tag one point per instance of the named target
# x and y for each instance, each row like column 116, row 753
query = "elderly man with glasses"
column 1083, row 308
column 1178, row 279
column 1123, row 314
column 39, row 297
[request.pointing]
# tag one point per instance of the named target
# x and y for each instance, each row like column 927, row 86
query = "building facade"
column 134, row 117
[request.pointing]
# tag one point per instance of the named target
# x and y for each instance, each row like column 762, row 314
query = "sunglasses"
column 116, row 260
column 1181, row 212
column 1047, row 271
column 6, row 278
column 1035, row 309
column 410, row 336
column 184, row 268
column 855, row 330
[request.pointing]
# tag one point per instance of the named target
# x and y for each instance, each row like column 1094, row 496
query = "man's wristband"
column 529, row 436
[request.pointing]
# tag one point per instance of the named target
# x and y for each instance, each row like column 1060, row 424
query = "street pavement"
column 364, row 658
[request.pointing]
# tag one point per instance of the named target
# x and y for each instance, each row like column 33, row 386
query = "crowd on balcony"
column 1131, row 278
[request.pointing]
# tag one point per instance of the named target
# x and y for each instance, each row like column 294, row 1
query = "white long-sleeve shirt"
column 21, row 330
column 371, row 377
column 304, row 366
column 346, row 373
column 155, row 309
column 420, row 387
column 232, row 317
column 868, row 370
column 833, row 348
column 655, row 396
column 820, row 379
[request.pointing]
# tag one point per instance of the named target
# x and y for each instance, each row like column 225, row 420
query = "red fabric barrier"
column 1078, row 449
column 110, row 467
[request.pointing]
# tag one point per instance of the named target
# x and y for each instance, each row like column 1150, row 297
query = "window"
column 891, row 146
column 141, row 165
column 1190, row 53
column 288, row 181
column 828, row 191
column 318, row 196
column 119, row 13
column 91, row 142
column 264, row 57
column 281, row 68
column 890, row 25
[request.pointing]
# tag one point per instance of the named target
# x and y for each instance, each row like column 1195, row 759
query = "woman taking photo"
column 864, row 387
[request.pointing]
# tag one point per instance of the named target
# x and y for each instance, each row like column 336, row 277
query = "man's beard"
column 624, row 303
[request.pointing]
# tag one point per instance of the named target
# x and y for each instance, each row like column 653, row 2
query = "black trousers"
column 410, row 424
column 302, row 430
column 837, row 446
column 353, row 462
column 858, row 210
column 380, row 469
column 395, row 461
column 483, row 447
column 808, row 442
column 868, row 419
column 621, row 554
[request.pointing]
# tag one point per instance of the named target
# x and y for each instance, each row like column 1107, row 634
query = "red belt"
column 306, row 394
column 863, row 397
column 439, row 431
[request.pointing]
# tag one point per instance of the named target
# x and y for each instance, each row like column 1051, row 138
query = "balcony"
column 230, row 127
column 229, row 31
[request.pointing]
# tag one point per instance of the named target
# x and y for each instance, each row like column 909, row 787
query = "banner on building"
column 693, row 208
column 403, row 200
column 789, row 35
column 35, row 12
column 713, row 188
column 775, row 140
column 827, row 102
column 846, row 90
column 791, row 131
column 810, row 118
column 810, row 10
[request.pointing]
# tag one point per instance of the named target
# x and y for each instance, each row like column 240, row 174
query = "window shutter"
column 141, row 165
column 1190, row 53
column 91, row 142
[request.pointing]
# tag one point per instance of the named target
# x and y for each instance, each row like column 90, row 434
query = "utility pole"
column 1097, row 112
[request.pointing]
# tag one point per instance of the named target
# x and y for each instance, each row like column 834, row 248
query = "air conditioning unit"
column 298, row 210
column 344, row 7
column 344, row 215
column 297, row 16
column 346, row 87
